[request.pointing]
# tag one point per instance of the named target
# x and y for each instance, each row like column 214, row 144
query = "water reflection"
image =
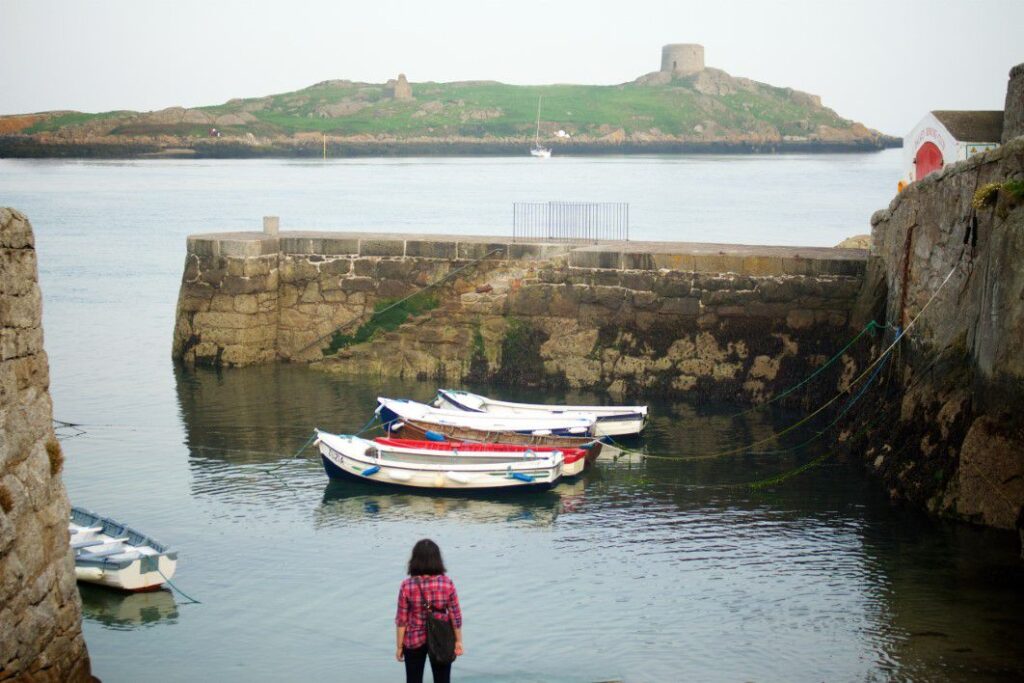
column 952, row 601
column 122, row 611
column 347, row 502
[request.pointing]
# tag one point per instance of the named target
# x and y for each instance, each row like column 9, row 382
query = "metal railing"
column 570, row 221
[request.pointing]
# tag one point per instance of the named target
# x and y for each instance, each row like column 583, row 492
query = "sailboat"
column 537, row 150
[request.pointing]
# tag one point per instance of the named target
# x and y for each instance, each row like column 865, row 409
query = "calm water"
column 653, row 572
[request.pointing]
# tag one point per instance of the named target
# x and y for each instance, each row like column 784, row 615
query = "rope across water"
column 870, row 369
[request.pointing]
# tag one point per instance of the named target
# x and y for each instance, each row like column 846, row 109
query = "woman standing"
column 427, row 583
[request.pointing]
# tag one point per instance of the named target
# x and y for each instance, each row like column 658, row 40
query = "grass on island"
column 499, row 110
column 485, row 109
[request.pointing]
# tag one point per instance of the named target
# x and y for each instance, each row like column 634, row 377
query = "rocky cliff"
column 953, row 438
column 40, row 619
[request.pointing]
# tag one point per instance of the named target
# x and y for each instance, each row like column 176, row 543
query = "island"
column 685, row 106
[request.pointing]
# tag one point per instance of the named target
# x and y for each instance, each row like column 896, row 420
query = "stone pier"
column 629, row 317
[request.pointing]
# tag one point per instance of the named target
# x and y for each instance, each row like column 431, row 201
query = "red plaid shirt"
column 439, row 591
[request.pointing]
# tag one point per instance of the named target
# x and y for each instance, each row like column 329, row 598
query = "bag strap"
column 426, row 603
column 423, row 596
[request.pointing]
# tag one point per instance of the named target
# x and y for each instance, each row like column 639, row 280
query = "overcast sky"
column 882, row 63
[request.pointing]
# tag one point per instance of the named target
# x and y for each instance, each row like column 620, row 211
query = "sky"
column 882, row 63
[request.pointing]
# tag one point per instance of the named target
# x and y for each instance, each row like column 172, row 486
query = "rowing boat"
column 111, row 554
column 573, row 459
column 418, row 430
column 611, row 420
column 391, row 410
column 351, row 457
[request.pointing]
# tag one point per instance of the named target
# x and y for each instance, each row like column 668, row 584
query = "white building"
column 946, row 137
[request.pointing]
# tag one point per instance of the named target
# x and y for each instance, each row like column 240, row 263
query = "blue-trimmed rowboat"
column 393, row 410
column 611, row 420
column 111, row 554
column 346, row 456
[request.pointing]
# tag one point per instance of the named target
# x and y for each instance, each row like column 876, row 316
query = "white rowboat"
column 110, row 554
column 611, row 420
column 347, row 456
column 577, row 424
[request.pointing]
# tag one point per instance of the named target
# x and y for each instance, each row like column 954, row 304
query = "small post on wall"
column 271, row 224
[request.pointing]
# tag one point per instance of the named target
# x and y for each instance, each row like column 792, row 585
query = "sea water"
column 663, row 570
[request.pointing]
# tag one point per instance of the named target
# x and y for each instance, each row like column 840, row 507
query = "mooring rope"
column 785, row 476
column 183, row 593
column 779, row 451
column 369, row 426
column 870, row 326
column 297, row 454
column 878, row 360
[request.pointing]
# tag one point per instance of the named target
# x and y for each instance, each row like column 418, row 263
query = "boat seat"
column 120, row 557
column 117, row 547
column 84, row 529
column 87, row 543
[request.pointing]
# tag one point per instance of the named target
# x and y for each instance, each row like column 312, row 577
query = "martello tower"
column 682, row 59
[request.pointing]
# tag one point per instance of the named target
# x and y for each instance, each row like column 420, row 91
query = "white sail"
column 538, row 151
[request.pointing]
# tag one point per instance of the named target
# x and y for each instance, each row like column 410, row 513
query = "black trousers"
column 415, row 661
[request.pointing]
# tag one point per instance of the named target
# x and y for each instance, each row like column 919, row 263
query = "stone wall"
column 40, row 612
column 727, row 321
column 249, row 298
column 954, row 437
column 627, row 330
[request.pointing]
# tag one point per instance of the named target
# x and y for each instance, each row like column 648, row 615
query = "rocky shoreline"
column 30, row 147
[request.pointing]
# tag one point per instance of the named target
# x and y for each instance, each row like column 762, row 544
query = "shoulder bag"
column 440, row 632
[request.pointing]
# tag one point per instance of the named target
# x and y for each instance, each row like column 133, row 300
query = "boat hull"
column 131, row 578
column 608, row 426
column 338, row 473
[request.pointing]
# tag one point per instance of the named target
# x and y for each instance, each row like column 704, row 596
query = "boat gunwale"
column 600, row 413
column 135, row 537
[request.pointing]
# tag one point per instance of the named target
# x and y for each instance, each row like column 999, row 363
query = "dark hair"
column 426, row 559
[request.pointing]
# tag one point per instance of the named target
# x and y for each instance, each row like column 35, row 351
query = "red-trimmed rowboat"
column 574, row 459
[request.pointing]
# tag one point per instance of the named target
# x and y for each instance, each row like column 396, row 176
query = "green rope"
column 785, row 476
column 781, row 478
column 183, row 593
column 369, row 426
column 297, row 454
column 870, row 326
column 875, row 367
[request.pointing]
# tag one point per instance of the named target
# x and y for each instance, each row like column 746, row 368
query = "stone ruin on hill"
column 398, row 90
